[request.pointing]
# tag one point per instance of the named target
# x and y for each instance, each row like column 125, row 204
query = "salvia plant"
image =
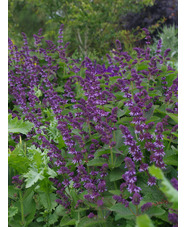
column 91, row 144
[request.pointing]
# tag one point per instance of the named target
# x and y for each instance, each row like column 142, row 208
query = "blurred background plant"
column 169, row 37
column 91, row 26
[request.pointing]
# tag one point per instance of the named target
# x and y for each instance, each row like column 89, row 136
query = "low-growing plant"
column 83, row 137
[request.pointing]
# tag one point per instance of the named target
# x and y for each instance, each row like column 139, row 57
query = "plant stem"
column 22, row 209
column 137, row 210
column 132, row 211
column 112, row 159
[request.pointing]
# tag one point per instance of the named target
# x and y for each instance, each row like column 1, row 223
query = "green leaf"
column 48, row 200
column 12, row 191
column 116, row 174
column 96, row 162
column 173, row 116
column 51, row 172
column 101, row 152
column 155, row 211
column 53, row 218
column 19, row 163
column 115, row 192
column 156, row 172
column 122, row 210
column 32, row 177
column 18, row 126
column 171, row 160
column 12, row 211
column 119, row 138
column 121, row 113
column 67, row 221
column 144, row 221
column 60, row 210
column 86, row 222
column 170, row 192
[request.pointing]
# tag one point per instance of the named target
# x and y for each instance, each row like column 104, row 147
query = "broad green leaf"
column 12, row 211
column 48, row 200
column 19, row 163
column 173, row 116
column 170, row 192
column 18, row 126
column 96, row 162
column 51, row 172
column 60, row 210
column 116, row 174
column 101, row 152
column 65, row 221
column 171, row 160
column 86, row 222
column 122, row 210
column 156, row 172
column 53, row 218
column 119, row 138
column 115, row 192
column 121, row 113
column 143, row 221
column 32, row 177
column 12, row 192
column 155, row 211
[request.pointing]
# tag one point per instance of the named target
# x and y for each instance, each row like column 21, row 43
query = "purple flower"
column 145, row 207
column 91, row 215
column 174, row 183
column 173, row 217
column 151, row 181
column 100, row 203
column 136, row 198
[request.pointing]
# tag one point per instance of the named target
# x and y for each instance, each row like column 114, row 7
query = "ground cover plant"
column 91, row 144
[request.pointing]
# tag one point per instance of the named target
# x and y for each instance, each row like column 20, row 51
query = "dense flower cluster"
column 89, row 115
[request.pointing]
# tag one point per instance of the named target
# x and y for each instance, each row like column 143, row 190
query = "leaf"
column 18, row 126
column 122, row 210
column 116, row 174
column 149, row 114
column 121, row 113
column 51, row 172
column 170, row 192
column 96, row 162
column 32, row 177
column 155, row 211
column 48, row 200
column 29, row 207
column 19, row 163
column 101, row 152
column 86, row 222
column 173, row 116
column 53, row 218
column 119, row 138
column 67, row 221
column 144, row 221
column 60, row 210
column 115, row 192
column 156, row 172
column 12, row 191
column 171, row 160
column 12, row 211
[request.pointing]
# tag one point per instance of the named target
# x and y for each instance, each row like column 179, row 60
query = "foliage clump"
column 96, row 130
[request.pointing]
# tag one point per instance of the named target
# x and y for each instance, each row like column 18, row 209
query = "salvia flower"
column 145, row 207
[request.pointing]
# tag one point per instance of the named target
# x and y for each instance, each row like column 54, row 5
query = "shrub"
column 97, row 129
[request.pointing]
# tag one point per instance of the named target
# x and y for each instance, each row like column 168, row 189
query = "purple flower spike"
column 136, row 199
column 145, row 207
column 174, row 183
column 91, row 215
column 151, row 181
